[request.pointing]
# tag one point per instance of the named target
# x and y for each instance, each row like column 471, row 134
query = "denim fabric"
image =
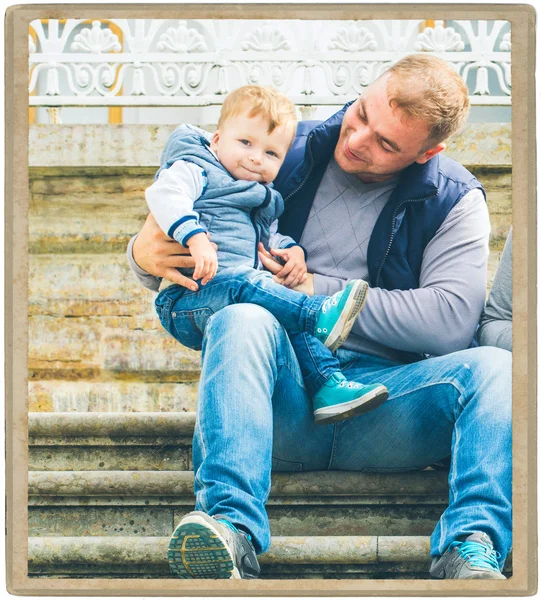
column 253, row 414
column 184, row 314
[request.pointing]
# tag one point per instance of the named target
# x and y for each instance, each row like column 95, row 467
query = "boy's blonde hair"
column 428, row 88
column 259, row 101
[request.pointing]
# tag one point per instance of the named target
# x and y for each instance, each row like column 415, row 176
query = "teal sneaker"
column 338, row 313
column 205, row 547
column 474, row 558
column 340, row 399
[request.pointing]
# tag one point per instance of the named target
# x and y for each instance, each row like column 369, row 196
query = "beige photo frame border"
column 524, row 579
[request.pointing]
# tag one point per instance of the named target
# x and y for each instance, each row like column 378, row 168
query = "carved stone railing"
column 121, row 62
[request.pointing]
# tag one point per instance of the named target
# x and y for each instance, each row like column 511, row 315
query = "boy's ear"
column 214, row 140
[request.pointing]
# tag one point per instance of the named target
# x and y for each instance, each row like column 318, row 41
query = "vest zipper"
column 253, row 212
column 309, row 147
column 393, row 232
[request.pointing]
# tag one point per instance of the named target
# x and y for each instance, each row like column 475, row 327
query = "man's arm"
column 442, row 314
column 152, row 254
column 496, row 326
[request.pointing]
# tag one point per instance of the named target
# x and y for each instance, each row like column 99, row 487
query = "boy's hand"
column 159, row 255
column 293, row 272
column 206, row 259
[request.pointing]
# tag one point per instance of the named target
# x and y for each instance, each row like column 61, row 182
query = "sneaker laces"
column 330, row 301
column 230, row 525
column 478, row 555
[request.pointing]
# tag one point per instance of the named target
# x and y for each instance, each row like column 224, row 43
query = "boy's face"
column 248, row 151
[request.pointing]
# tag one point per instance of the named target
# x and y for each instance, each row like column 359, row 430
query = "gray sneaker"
column 211, row 548
column 474, row 558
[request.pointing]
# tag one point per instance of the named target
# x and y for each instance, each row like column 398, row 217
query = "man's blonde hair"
column 428, row 88
column 261, row 101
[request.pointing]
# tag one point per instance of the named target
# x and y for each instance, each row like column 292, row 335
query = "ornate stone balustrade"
column 120, row 62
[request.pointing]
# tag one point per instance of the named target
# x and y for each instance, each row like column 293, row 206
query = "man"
column 368, row 195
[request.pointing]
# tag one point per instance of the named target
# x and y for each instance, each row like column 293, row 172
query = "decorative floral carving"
column 354, row 38
column 53, row 83
column 265, row 39
column 255, row 75
column 481, row 87
column 96, row 40
column 505, row 45
column 205, row 60
column 182, row 40
column 138, row 82
column 439, row 39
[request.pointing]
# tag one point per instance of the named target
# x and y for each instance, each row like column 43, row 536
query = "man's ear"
column 431, row 152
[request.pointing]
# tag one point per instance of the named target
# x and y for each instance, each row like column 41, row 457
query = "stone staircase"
column 112, row 401
column 105, row 490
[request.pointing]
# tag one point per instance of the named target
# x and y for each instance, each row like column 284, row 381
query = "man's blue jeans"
column 184, row 313
column 253, row 414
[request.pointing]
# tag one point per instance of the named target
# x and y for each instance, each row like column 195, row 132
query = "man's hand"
column 272, row 265
column 159, row 255
column 294, row 270
column 204, row 254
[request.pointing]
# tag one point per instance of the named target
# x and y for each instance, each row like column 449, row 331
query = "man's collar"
column 419, row 180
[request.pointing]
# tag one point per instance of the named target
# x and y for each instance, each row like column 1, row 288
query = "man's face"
column 376, row 141
column 248, row 151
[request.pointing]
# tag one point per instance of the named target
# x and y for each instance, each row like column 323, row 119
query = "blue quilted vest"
column 237, row 213
column 416, row 209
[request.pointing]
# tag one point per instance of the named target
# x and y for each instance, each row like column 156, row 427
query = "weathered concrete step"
column 111, row 397
column 289, row 556
column 86, row 285
column 105, row 348
column 294, row 555
column 130, row 148
column 76, row 285
column 83, row 425
column 422, row 486
column 157, row 516
column 135, row 441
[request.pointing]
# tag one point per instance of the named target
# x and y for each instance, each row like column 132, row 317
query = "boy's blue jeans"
column 253, row 414
column 184, row 314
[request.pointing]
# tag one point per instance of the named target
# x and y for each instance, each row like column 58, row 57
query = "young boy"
column 223, row 187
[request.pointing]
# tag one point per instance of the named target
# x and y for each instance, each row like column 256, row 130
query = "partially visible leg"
column 334, row 398
column 247, row 358
column 457, row 405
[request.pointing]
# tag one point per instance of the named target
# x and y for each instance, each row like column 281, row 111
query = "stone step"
column 111, row 396
column 100, row 212
column 100, row 285
column 133, row 348
column 90, row 212
column 79, row 285
column 289, row 556
column 418, row 486
column 106, row 502
column 343, row 557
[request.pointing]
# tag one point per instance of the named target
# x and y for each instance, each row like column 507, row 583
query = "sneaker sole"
column 198, row 551
column 359, row 406
column 353, row 306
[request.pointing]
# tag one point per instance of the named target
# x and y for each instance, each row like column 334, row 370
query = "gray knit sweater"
column 496, row 326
